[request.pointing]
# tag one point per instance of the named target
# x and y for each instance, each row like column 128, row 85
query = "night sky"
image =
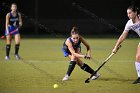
column 52, row 13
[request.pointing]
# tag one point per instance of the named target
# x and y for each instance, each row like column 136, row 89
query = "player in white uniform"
column 133, row 24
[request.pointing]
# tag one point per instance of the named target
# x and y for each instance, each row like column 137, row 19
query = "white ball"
column 55, row 86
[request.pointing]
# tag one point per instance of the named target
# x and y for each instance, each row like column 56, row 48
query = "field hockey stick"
column 2, row 37
column 88, row 79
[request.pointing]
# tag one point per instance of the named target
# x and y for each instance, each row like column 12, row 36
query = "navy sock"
column 8, row 47
column 16, row 48
column 71, row 67
column 88, row 69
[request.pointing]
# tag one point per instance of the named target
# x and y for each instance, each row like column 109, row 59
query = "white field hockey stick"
column 88, row 79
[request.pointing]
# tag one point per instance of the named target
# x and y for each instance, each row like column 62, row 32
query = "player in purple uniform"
column 13, row 23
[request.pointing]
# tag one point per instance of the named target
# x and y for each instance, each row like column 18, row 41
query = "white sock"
column 137, row 64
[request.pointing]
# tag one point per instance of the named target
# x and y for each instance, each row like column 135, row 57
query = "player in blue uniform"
column 72, row 48
column 13, row 23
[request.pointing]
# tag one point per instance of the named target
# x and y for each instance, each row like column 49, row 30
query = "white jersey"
column 133, row 26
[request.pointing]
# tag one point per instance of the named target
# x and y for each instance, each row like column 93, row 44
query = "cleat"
column 66, row 77
column 17, row 56
column 7, row 58
column 137, row 81
column 96, row 76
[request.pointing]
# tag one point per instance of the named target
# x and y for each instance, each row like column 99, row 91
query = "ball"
column 55, row 86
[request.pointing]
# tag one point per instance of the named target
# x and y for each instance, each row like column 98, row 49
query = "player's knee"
column 8, row 41
column 73, row 58
column 17, row 41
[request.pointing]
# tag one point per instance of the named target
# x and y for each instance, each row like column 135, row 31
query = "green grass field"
column 43, row 65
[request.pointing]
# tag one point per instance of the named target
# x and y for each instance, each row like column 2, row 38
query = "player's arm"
column 7, row 23
column 73, row 51
column 87, row 46
column 20, row 20
column 120, row 40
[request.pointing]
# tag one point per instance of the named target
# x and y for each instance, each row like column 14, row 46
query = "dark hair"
column 74, row 30
column 13, row 4
column 134, row 9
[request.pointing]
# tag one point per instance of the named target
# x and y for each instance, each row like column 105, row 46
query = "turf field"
column 43, row 65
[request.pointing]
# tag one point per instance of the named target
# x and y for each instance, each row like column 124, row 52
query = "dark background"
column 44, row 17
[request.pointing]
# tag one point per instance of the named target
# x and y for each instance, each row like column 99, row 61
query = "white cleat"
column 66, row 77
column 7, row 58
column 17, row 56
column 96, row 76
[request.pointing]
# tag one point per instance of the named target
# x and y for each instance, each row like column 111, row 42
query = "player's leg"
column 87, row 68
column 82, row 65
column 137, row 64
column 71, row 66
column 17, row 45
column 72, row 63
column 70, row 69
column 8, row 46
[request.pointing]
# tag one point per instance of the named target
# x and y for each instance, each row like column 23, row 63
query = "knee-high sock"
column 137, row 64
column 8, row 47
column 71, row 67
column 17, row 48
column 88, row 69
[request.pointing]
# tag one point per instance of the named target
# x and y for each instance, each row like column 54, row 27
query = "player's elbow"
column 88, row 47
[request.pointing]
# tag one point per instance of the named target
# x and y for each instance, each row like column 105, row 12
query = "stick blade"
column 87, row 80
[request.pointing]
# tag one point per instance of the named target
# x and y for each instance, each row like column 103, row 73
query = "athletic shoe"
column 66, row 77
column 137, row 81
column 97, row 75
column 7, row 58
column 17, row 56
